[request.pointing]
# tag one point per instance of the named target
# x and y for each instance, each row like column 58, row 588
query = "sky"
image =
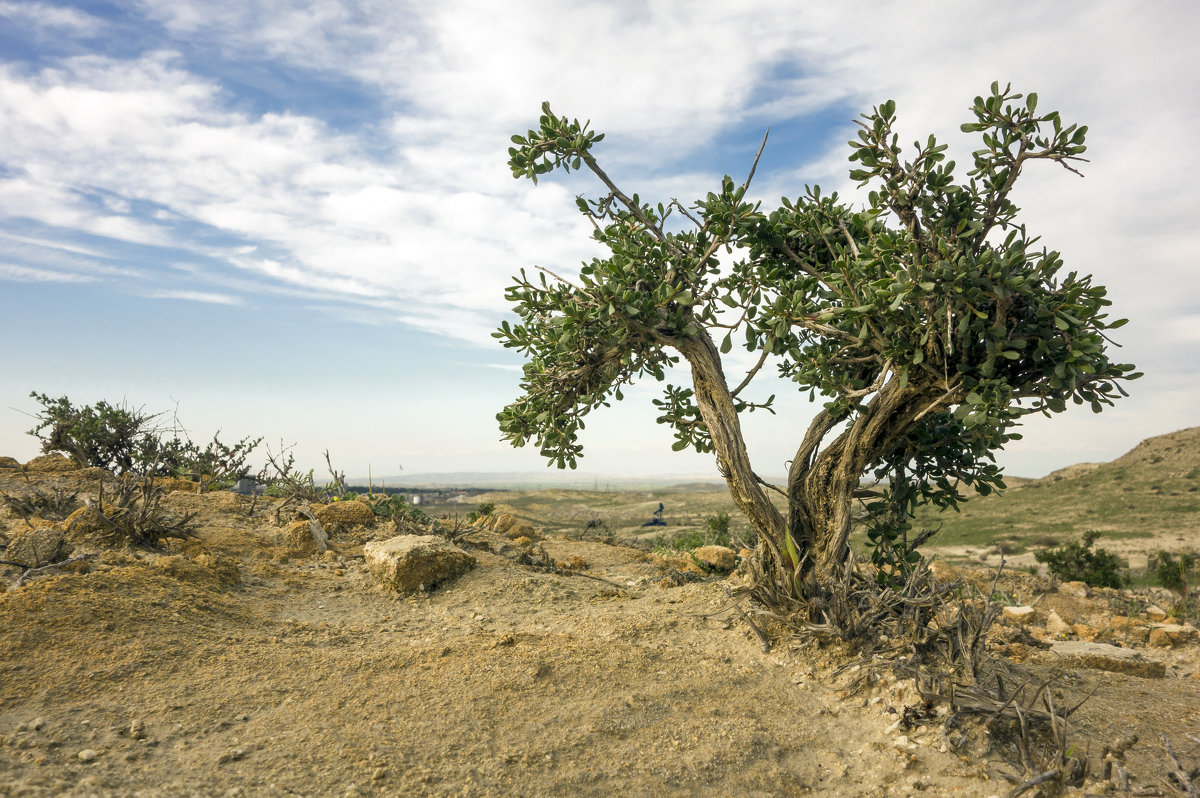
column 296, row 219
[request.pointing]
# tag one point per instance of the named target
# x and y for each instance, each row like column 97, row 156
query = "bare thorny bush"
column 54, row 504
column 132, row 514
column 900, row 618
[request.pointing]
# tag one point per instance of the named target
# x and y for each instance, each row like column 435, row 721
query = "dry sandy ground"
column 224, row 666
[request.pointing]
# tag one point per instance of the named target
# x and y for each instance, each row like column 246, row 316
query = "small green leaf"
column 727, row 344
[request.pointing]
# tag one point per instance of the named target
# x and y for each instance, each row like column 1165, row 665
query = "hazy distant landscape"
column 1145, row 500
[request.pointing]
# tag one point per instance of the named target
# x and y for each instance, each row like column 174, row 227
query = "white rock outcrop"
column 412, row 563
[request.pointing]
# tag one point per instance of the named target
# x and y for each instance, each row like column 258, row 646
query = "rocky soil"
column 246, row 661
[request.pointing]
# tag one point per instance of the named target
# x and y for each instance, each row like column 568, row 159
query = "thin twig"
column 1041, row 778
column 764, row 643
column 21, row 579
column 754, row 166
column 1180, row 772
column 750, row 374
column 569, row 572
column 558, row 277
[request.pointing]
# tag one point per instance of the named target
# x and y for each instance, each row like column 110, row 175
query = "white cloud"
column 206, row 297
column 25, row 274
column 43, row 17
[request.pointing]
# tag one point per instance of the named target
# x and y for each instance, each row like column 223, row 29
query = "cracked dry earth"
column 228, row 665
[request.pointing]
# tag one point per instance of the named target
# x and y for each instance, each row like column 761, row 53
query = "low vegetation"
column 128, row 440
column 1079, row 561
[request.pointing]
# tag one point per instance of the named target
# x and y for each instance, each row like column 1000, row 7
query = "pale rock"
column 1021, row 615
column 410, row 563
column 1103, row 657
column 88, row 754
column 1056, row 626
column 719, row 558
column 39, row 546
column 1156, row 613
column 1169, row 635
column 1076, row 588
column 943, row 571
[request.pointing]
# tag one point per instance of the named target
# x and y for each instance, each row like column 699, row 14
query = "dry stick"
column 1041, row 778
column 22, row 577
column 764, row 643
column 569, row 572
column 1180, row 772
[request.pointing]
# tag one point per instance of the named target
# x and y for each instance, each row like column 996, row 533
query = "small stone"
column 231, row 756
column 1018, row 614
column 1156, row 613
column 88, row 755
column 137, row 729
column 719, row 558
column 1076, row 588
column 1169, row 635
column 1055, row 625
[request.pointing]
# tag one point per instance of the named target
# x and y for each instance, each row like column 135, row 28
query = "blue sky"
column 296, row 219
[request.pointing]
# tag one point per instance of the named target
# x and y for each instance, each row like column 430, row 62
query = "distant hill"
column 536, row 480
column 1151, row 491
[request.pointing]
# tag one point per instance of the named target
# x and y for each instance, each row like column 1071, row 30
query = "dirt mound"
column 228, row 664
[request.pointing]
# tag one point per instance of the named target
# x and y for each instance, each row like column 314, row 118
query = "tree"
column 929, row 321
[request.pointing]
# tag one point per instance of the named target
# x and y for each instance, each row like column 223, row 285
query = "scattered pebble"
column 88, row 755
column 231, row 756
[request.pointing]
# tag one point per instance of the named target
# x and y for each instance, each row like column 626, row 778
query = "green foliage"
column 715, row 533
column 218, row 465
column 931, row 313
column 390, row 506
column 1077, row 561
column 483, row 511
column 124, row 440
column 718, row 528
column 100, row 435
column 1175, row 574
